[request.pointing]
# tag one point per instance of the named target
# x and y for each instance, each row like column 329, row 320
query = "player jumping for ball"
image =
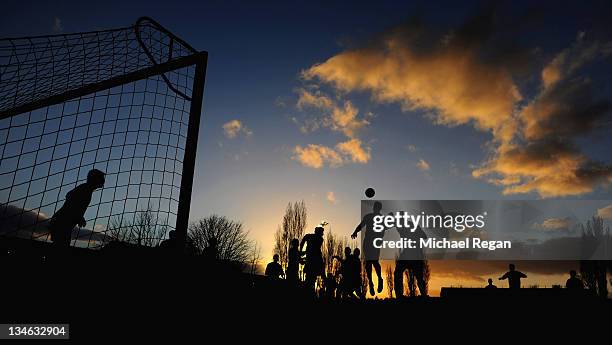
column 372, row 253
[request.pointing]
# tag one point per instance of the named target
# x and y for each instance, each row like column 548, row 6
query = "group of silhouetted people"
column 72, row 213
column 574, row 283
column 312, row 259
column 411, row 260
column 350, row 274
column 349, row 284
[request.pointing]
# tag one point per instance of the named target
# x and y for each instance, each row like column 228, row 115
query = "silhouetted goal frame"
column 126, row 101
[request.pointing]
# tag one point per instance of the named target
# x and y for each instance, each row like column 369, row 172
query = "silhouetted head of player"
column 377, row 207
column 573, row 274
column 275, row 258
column 490, row 281
column 95, row 178
column 356, row 253
column 347, row 251
column 319, row 230
column 511, row 267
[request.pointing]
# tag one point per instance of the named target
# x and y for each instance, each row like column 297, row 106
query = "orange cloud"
column 449, row 82
column 331, row 197
column 533, row 147
column 551, row 167
column 342, row 118
column 354, row 150
column 548, row 161
column 423, row 165
column 233, row 128
column 317, row 156
column 313, row 99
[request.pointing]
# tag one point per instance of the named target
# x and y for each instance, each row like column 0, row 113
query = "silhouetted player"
column 314, row 257
column 170, row 242
column 274, row 269
column 72, row 212
column 346, row 284
column 574, row 283
column 293, row 262
column 371, row 253
column 413, row 260
column 514, row 277
column 355, row 271
column 490, row 286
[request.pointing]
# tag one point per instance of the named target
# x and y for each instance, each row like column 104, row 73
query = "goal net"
column 125, row 101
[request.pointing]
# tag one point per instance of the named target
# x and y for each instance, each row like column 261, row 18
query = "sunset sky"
column 316, row 101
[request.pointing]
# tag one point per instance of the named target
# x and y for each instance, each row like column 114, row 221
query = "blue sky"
column 257, row 53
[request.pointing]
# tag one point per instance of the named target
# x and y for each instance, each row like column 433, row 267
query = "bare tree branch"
column 232, row 240
column 293, row 226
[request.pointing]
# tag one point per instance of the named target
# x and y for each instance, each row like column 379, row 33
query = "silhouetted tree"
column 329, row 250
column 145, row 228
column 364, row 281
column 413, row 276
column 426, row 277
column 594, row 272
column 255, row 258
column 118, row 229
column 410, row 289
column 279, row 244
column 389, row 279
column 333, row 246
column 341, row 243
column 293, row 226
column 232, row 240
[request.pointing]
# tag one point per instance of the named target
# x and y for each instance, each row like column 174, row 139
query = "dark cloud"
column 565, row 110
column 28, row 224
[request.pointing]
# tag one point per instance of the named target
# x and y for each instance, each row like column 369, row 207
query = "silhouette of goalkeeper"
column 72, row 212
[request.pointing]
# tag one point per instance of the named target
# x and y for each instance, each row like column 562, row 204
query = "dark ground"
column 155, row 297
